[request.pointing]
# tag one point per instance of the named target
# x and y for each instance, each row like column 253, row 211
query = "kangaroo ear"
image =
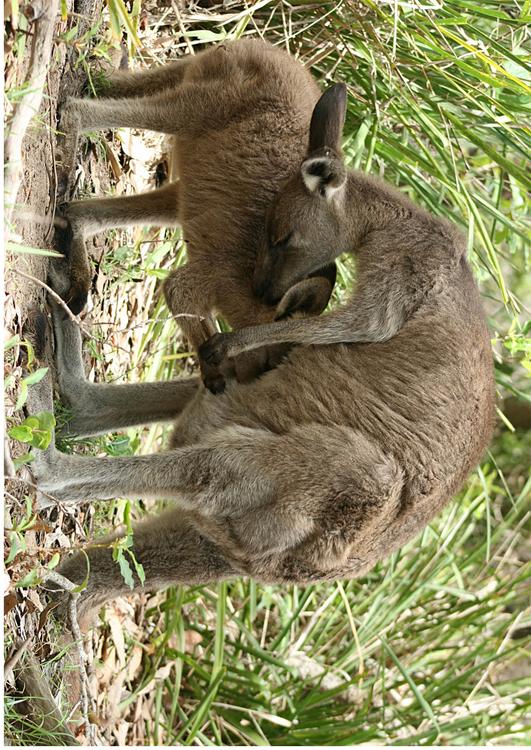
column 308, row 297
column 323, row 173
column 328, row 119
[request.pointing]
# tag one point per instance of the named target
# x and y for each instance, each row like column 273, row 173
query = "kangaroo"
column 405, row 256
column 238, row 118
column 339, row 455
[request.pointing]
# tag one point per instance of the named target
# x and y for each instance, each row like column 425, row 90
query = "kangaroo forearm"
column 328, row 329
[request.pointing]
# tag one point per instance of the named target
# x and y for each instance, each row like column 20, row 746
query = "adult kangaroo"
column 342, row 453
column 238, row 116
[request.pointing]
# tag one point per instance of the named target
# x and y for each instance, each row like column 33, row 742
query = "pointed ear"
column 328, row 272
column 323, row 174
column 328, row 119
column 308, row 297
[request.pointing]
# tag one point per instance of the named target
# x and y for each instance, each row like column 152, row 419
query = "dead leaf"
column 191, row 639
column 135, row 662
column 118, row 637
column 10, row 601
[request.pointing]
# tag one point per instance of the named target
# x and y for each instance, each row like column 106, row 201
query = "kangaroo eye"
column 281, row 244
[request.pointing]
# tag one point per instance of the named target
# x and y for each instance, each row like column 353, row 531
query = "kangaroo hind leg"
column 125, row 84
column 170, row 550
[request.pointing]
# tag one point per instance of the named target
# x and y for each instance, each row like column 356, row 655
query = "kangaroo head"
column 305, row 225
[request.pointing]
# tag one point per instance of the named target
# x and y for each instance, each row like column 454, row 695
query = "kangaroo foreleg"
column 357, row 322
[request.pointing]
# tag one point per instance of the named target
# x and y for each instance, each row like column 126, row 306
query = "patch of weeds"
column 121, row 264
column 22, row 731
column 35, row 431
column 26, row 566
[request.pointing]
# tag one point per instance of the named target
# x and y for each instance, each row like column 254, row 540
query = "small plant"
column 123, row 555
column 36, row 430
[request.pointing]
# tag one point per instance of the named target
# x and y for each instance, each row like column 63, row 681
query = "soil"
column 26, row 618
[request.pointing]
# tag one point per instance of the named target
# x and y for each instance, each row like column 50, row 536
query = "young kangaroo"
column 338, row 456
column 238, row 115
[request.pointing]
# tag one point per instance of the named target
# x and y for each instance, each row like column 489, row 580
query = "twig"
column 9, row 466
column 13, row 660
column 28, row 105
column 146, row 322
column 182, row 29
column 51, row 134
column 73, row 596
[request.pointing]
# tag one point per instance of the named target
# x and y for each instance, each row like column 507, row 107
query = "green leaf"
column 139, row 568
column 35, row 377
column 22, row 395
column 21, row 432
column 16, row 544
column 24, row 459
column 53, row 563
column 41, row 440
column 46, row 420
column 25, row 250
column 11, row 342
column 125, row 568
column 29, row 580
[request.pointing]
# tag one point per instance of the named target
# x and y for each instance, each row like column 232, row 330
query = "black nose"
column 270, row 298
column 260, row 287
column 265, row 292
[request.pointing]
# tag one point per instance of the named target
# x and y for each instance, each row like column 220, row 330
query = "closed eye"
column 281, row 244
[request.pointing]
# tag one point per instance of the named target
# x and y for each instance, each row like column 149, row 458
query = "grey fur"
column 405, row 256
column 341, row 454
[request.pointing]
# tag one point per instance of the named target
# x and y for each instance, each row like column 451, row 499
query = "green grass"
column 431, row 646
column 430, row 625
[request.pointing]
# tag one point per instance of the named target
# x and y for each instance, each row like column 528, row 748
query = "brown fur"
column 338, row 456
column 238, row 115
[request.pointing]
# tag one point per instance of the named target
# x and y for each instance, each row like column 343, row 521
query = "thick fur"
column 238, row 116
column 337, row 457
column 406, row 257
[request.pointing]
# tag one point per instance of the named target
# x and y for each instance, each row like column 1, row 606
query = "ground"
column 432, row 647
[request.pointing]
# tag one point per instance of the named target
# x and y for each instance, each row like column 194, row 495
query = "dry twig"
column 73, row 596
column 28, row 105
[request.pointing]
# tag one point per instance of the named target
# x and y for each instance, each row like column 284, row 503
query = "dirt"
column 33, row 227
column 37, row 196
column 27, row 620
